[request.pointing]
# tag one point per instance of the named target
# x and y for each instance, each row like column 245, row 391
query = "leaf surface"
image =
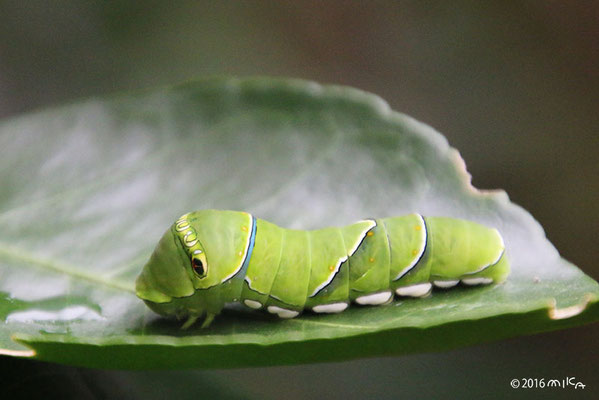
column 89, row 188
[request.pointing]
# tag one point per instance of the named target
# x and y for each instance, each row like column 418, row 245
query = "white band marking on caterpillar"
column 351, row 251
column 421, row 250
column 251, row 223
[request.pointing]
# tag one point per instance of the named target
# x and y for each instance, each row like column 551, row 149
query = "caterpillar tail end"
column 497, row 273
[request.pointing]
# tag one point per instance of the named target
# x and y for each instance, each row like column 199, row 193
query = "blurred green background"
column 513, row 85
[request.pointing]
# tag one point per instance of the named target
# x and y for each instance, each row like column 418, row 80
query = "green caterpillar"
column 212, row 257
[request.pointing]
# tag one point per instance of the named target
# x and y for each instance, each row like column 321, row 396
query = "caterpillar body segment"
column 211, row 257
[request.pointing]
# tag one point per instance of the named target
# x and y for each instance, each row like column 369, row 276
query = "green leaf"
column 88, row 189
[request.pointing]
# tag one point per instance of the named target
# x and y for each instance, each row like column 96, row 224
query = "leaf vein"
column 9, row 252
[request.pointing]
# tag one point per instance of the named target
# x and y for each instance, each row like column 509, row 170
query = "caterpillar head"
column 192, row 268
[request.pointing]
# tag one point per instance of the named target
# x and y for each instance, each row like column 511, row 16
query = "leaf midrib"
column 20, row 255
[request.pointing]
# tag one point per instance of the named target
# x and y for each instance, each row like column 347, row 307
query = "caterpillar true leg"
column 190, row 321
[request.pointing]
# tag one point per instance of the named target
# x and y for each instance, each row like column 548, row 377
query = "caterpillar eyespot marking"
column 244, row 259
column 181, row 227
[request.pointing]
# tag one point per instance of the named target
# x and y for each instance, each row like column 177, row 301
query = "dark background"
column 513, row 85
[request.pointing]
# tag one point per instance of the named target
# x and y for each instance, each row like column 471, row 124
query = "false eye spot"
column 198, row 267
column 181, row 226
